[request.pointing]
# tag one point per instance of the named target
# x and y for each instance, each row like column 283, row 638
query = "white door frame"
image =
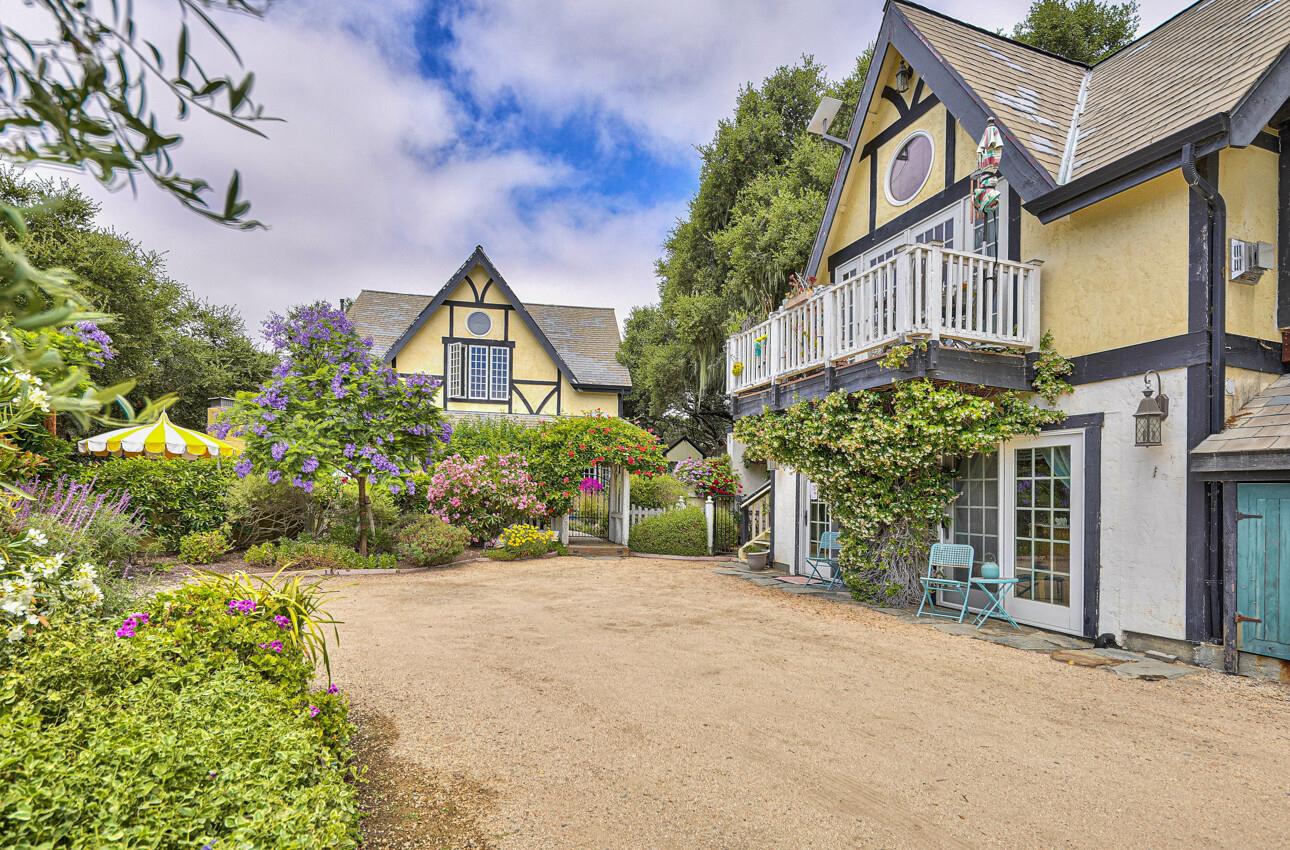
column 1045, row 615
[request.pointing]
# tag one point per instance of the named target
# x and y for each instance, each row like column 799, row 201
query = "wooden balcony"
column 958, row 302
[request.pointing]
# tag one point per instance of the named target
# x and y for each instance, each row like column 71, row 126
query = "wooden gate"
column 1263, row 569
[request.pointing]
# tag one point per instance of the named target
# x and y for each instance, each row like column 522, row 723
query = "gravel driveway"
column 574, row 703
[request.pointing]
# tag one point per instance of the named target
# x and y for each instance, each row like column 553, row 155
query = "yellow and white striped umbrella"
column 157, row 439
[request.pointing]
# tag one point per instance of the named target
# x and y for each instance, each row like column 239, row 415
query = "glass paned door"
column 816, row 520
column 975, row 519
column 1045, row 531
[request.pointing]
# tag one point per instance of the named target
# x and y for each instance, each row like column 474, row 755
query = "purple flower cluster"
column 274, row 646
column 591, row 485
column 274, row 476
column 131, row 623
column 101, row 344
column 314, row 711
column 243, row 467
column 283, row 621
column 310, row 466
column 241, row 606
column 74, row 504
column 279, row 450
column 332, row 689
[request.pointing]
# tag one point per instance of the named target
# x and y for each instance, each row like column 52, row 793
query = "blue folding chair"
column 825, row 567
column 943, row 558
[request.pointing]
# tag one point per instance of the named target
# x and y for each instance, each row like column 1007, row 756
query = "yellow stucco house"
column 1144, row 218
column 495, row 353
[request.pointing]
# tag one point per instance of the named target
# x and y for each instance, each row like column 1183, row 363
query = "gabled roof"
column 1215, row 74
column 583, row 341
column 1257, row 437
column 583, row 336
column 384, row 316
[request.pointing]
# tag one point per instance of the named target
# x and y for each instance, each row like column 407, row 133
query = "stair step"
column 597, row 549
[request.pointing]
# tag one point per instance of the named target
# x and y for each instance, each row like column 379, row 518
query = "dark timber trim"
column 476, row 305
column 893, row 97
column 1091, row 425
column 951, row 139
column 1283, row 236
column 1014, row 225
column 1258, row 106
column 1231, row 652
column 1229, row 465
column 873, row 197
column 479, row 258
column 897, row 128
column 918, row 92
column 876, row 236
column 1267, row 141
column 1175, row 352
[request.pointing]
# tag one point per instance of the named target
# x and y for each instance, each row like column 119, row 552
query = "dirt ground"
column 575, row 703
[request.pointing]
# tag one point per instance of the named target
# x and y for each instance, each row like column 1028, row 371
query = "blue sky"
column 558, row 134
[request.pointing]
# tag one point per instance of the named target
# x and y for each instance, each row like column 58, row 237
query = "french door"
column 1043, row 530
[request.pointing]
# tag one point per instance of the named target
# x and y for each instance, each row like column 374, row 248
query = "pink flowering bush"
column 484, row 495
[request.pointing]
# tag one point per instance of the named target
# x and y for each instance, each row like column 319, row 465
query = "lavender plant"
column 81, row 520
column 331, row 408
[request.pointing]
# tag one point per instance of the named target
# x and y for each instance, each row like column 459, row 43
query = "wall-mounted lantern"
column 903, row 75
column 1152, row 412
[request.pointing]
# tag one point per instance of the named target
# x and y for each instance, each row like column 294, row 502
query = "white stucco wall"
column 751, row 475
column 784, row 536
column 1143, row 508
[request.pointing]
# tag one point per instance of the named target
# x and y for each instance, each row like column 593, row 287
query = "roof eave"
column 1128, row 171
column 1253, row 112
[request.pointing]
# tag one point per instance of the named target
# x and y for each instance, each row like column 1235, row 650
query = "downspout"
column 1216, row 332
column 1216, row 287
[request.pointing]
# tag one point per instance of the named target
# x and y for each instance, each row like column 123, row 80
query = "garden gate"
column 600, row 510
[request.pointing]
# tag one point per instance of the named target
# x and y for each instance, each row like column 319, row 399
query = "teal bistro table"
column 995, row 590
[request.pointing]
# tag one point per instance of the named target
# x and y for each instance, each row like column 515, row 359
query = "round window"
column 910, row 168
column 479, row 323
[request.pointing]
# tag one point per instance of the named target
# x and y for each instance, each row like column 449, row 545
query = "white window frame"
column 455, row 369
column 962, row 213
column 477, row 390
column 499, row 373
column 891, row 165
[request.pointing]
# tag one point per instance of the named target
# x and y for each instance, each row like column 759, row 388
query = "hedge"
column 682, row 532
column 193, row 729
column 176, row 497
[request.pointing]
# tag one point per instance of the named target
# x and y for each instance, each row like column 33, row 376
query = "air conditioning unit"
column 1249, row 260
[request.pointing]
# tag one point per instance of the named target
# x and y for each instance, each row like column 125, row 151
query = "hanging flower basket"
column 738, row 368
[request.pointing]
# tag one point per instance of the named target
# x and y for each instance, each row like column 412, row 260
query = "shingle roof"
column 384, row 316
column 1200, row 63
column 1262, row 425
column 1032, row 93
column 588, row 340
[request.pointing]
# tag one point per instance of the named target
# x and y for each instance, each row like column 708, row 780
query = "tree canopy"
column 763, row 184
column 163, row 338
column 1084, row 30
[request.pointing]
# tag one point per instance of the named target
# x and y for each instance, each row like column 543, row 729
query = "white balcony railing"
column 921, row 292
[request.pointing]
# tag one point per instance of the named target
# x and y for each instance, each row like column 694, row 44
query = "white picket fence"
column 635, row 515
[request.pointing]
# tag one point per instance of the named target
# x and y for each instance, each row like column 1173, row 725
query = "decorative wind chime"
column 985, row 181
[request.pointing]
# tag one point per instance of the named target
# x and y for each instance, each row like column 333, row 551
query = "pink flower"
column 314, row 711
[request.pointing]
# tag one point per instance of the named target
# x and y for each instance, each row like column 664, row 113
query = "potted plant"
column 757, row 559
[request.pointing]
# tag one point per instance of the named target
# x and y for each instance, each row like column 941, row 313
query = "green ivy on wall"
column 884, row 461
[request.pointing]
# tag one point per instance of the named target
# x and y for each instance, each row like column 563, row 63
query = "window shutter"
column 499, row 373
column 454, row 370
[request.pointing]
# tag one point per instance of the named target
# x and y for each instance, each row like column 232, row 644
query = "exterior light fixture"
column 903, row 75
column 1152, row 411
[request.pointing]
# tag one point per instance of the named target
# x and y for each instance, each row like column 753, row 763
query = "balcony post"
column 1031, row 290
column 830, row 324
column 904, row 293
column 774, row 344
column 934, row 286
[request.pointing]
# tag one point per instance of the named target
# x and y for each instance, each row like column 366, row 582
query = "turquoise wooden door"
column 1263, row 568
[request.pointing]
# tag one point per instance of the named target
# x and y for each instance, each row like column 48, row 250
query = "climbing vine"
column 884, row 461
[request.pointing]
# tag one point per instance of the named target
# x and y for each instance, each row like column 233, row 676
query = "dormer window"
column 909, row 168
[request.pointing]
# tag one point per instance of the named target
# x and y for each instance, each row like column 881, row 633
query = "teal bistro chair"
column 944, row 558
column 825, row 567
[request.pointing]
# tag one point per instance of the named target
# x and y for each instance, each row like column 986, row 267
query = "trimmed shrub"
column 311, row 555
column 190, row 725
column 428, row 541
column 684, row 532
column 658, row 491
column 175, row 497
column 680, row 532
column 202, row 547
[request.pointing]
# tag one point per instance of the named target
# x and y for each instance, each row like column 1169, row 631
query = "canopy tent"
column 157, row 440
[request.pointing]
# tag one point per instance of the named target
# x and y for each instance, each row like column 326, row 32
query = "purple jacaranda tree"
column 331, row 407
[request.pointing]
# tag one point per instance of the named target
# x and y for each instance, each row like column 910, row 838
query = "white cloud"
column 379, row 179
